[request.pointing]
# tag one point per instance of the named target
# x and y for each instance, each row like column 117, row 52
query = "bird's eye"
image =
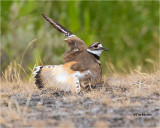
column 96, row 46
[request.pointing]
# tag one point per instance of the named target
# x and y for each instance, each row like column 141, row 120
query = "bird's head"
column 96, row 48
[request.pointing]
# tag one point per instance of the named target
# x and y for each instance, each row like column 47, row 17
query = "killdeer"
column 82, row 64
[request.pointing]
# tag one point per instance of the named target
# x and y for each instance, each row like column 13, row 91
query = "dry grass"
column 117, row 92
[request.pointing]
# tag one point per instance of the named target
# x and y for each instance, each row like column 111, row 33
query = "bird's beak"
column 106, row 49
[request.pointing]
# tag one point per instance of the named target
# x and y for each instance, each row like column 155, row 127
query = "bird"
column 81, row 64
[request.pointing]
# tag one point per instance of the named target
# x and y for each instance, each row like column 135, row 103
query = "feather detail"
column 58, row 26
column 36, row 73
column 57, row 77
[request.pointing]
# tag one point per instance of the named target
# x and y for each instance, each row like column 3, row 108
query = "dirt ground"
column 123, row 101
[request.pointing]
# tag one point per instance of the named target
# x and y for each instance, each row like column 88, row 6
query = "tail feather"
column 58, row 26
column 37, row 70
column 39, row 81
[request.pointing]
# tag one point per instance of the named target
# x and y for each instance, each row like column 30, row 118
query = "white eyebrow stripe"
column 100, row 45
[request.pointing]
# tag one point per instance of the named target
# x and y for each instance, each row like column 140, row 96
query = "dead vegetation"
column 112, row 105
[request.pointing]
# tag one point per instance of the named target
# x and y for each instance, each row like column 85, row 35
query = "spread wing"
column 75, row 44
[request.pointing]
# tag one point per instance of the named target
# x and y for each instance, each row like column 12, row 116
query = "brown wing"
column 75, row 44
column 93, row 76
column 90, row 64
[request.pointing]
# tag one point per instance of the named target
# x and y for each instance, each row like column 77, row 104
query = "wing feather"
column 75, row 44
column 58, row 26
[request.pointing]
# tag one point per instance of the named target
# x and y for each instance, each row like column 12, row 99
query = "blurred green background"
column 130, row 29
